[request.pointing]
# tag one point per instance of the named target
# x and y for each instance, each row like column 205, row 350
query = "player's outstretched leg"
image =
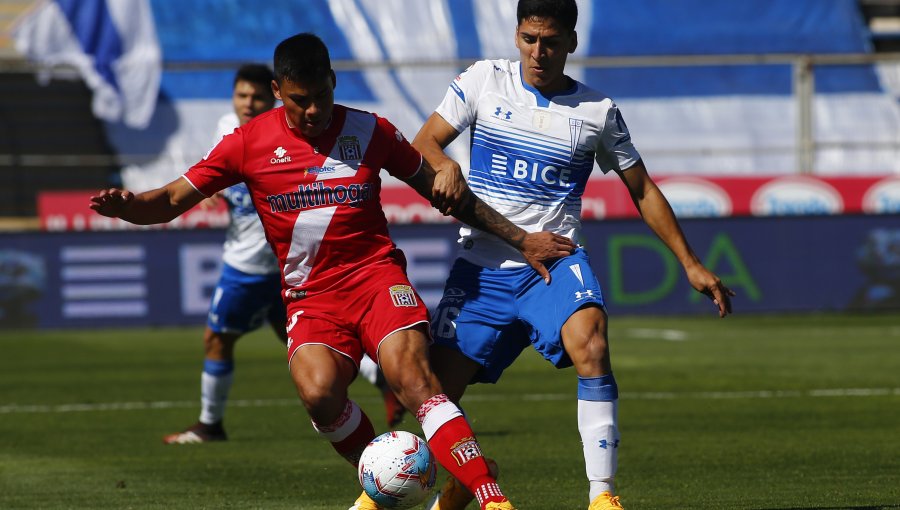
column 404, row 362
column 454, row 445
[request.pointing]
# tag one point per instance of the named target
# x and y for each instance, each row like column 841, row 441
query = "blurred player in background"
column 535, row 136
column 249, row 289
column 312, row 168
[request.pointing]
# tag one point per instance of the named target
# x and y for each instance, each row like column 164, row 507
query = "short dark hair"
column 563, row 11
column 258, row 74
column 302, row 58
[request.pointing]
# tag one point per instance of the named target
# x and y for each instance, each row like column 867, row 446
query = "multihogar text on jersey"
column 318, row 195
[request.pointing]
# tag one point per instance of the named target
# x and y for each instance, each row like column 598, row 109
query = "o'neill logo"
column 280, row 156
column 883, row 197
column 794, row 196
column 696, row 198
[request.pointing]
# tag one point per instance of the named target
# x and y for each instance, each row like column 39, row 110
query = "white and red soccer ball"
column 397, row 470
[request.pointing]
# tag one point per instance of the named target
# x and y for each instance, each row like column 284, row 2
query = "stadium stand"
column 883, row 20
column 49, row 138
column 721, row 118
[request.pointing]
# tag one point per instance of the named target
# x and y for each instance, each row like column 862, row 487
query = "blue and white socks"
column 215, row 382
column 598, row 425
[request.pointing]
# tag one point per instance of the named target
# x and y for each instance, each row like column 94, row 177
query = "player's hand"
column 538, row 247
column 704, row 281
column 111, row 202
column 449, row 188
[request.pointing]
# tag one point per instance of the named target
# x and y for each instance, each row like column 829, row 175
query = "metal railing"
column 803, row 84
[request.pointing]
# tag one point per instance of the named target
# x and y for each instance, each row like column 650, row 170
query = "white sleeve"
column 615, row 150
column 227, row 124
column 460, row 103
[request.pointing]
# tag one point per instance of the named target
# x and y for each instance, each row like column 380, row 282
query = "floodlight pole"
column 804, row 88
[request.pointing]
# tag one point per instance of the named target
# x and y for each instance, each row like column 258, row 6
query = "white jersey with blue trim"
column 531, row 155
column 246, row 248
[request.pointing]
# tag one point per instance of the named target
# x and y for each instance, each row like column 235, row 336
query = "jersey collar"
column 542, row 100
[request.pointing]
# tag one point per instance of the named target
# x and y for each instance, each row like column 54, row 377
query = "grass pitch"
column 794, row 412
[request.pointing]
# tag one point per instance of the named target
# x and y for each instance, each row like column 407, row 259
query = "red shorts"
column 353, row 317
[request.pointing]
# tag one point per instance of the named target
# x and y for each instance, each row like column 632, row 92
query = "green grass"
column 730, row 414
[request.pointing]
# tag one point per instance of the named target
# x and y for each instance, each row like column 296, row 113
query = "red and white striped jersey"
column 318, row 199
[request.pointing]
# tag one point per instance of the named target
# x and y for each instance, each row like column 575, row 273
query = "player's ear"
column 276, row 91
column 333, row 80
column 574, row 43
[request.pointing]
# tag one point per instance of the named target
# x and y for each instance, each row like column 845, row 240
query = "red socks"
column 455, row 447
column 350, row 433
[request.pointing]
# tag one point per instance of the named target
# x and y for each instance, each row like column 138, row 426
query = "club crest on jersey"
column 465, row 450
column 574, row 135
column 403, row 295
column 349, row 147
column 280, row 156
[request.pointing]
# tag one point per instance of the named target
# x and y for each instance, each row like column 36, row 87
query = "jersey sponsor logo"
column 535, row 171
column 883, row 197
column 280, row 156
column 318, row 170
column 403, row 295
column 349, row 148
column 318, row 194
column 465, row 450
column 790, row 196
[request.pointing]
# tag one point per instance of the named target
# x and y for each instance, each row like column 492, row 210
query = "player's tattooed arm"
column 159, row 205
column 536, row 247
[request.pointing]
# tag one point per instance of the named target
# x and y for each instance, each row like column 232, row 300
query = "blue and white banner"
column 111, row 43
column 709, row 120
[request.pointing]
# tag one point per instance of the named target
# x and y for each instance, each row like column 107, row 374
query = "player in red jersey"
column 312, row 168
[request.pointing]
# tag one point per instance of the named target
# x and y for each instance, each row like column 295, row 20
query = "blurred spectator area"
column 846, row 120
column 49, row 138
column 883, row 19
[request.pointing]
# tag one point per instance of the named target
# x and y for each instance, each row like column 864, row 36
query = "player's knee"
column 322, row 401
column 219, row 345
column 589, row 352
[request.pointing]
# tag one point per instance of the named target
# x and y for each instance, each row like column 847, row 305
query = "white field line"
column 284, row 402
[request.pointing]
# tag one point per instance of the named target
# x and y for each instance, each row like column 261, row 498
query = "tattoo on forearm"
column 475, row 213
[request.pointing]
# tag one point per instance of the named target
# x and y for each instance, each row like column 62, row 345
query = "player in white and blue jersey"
column 248, row 292
column 535, row 136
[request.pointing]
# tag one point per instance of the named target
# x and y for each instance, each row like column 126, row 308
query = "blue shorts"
column 491, row 315
column 242, row 302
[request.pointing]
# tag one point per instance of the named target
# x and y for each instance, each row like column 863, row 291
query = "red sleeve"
column 221, row 167
column 402, row 160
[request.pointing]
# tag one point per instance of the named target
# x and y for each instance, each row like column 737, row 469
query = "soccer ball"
column 397, row 469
